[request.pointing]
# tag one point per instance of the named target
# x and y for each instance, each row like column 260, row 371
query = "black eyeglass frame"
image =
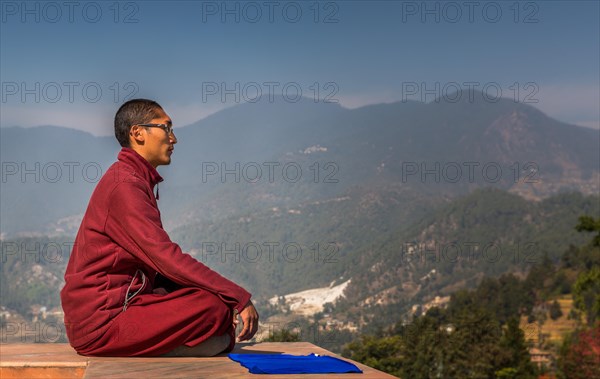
column 166, row 127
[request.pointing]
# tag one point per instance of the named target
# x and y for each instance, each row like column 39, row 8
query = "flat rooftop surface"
column 61, row 361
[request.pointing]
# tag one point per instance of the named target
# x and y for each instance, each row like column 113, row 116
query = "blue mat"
column 293, row 364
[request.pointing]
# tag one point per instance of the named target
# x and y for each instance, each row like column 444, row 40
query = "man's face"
column 158, row 145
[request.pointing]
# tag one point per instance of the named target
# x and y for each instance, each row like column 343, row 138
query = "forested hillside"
column 387, row 246
column 477, row 334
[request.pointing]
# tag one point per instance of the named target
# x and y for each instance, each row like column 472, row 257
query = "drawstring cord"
column 156, row 191
column 129, row 297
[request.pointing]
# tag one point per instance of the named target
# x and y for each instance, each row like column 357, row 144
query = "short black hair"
column 135, row 111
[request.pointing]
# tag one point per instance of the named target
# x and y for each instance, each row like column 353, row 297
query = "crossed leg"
column 185, row 322
column 211, row 347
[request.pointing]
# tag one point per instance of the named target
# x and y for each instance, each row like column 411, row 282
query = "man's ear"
column 137, row 134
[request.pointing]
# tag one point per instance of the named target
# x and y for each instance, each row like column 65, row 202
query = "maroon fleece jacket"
column 120, row 233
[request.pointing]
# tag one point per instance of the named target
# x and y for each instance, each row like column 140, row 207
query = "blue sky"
column 72, row 65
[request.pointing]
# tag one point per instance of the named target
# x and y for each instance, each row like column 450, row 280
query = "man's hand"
column 250, row 320
column 160, row 291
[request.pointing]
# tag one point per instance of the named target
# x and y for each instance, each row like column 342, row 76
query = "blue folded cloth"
column 293, row 364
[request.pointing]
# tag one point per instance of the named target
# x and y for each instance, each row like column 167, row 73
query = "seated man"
column 130, row 290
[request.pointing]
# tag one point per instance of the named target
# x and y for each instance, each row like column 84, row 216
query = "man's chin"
column 165, row 162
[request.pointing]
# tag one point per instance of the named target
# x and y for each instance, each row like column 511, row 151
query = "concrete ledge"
column 61, row 361
column 41, row 361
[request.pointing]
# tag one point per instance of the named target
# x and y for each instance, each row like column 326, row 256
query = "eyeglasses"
column 167, row 128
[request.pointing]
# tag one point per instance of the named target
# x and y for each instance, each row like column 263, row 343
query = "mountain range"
column 403, row 201
column 256, row 156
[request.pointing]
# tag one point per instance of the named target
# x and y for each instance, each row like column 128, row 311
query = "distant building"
column 541, row 358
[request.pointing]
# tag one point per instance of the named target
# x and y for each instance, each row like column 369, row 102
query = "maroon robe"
column 119, row 250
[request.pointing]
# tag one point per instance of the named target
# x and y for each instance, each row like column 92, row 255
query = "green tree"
column 385, row 354
column 472, row 349
column 589, row 224
column 507, row 373
column 586, row 294
column 555, row 311
column 515, row 353
column 425, row 345
column 539, row 273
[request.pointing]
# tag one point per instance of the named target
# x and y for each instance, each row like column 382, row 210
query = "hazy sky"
column 73, row 63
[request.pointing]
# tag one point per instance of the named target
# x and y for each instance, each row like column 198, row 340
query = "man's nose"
column 172, row 138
